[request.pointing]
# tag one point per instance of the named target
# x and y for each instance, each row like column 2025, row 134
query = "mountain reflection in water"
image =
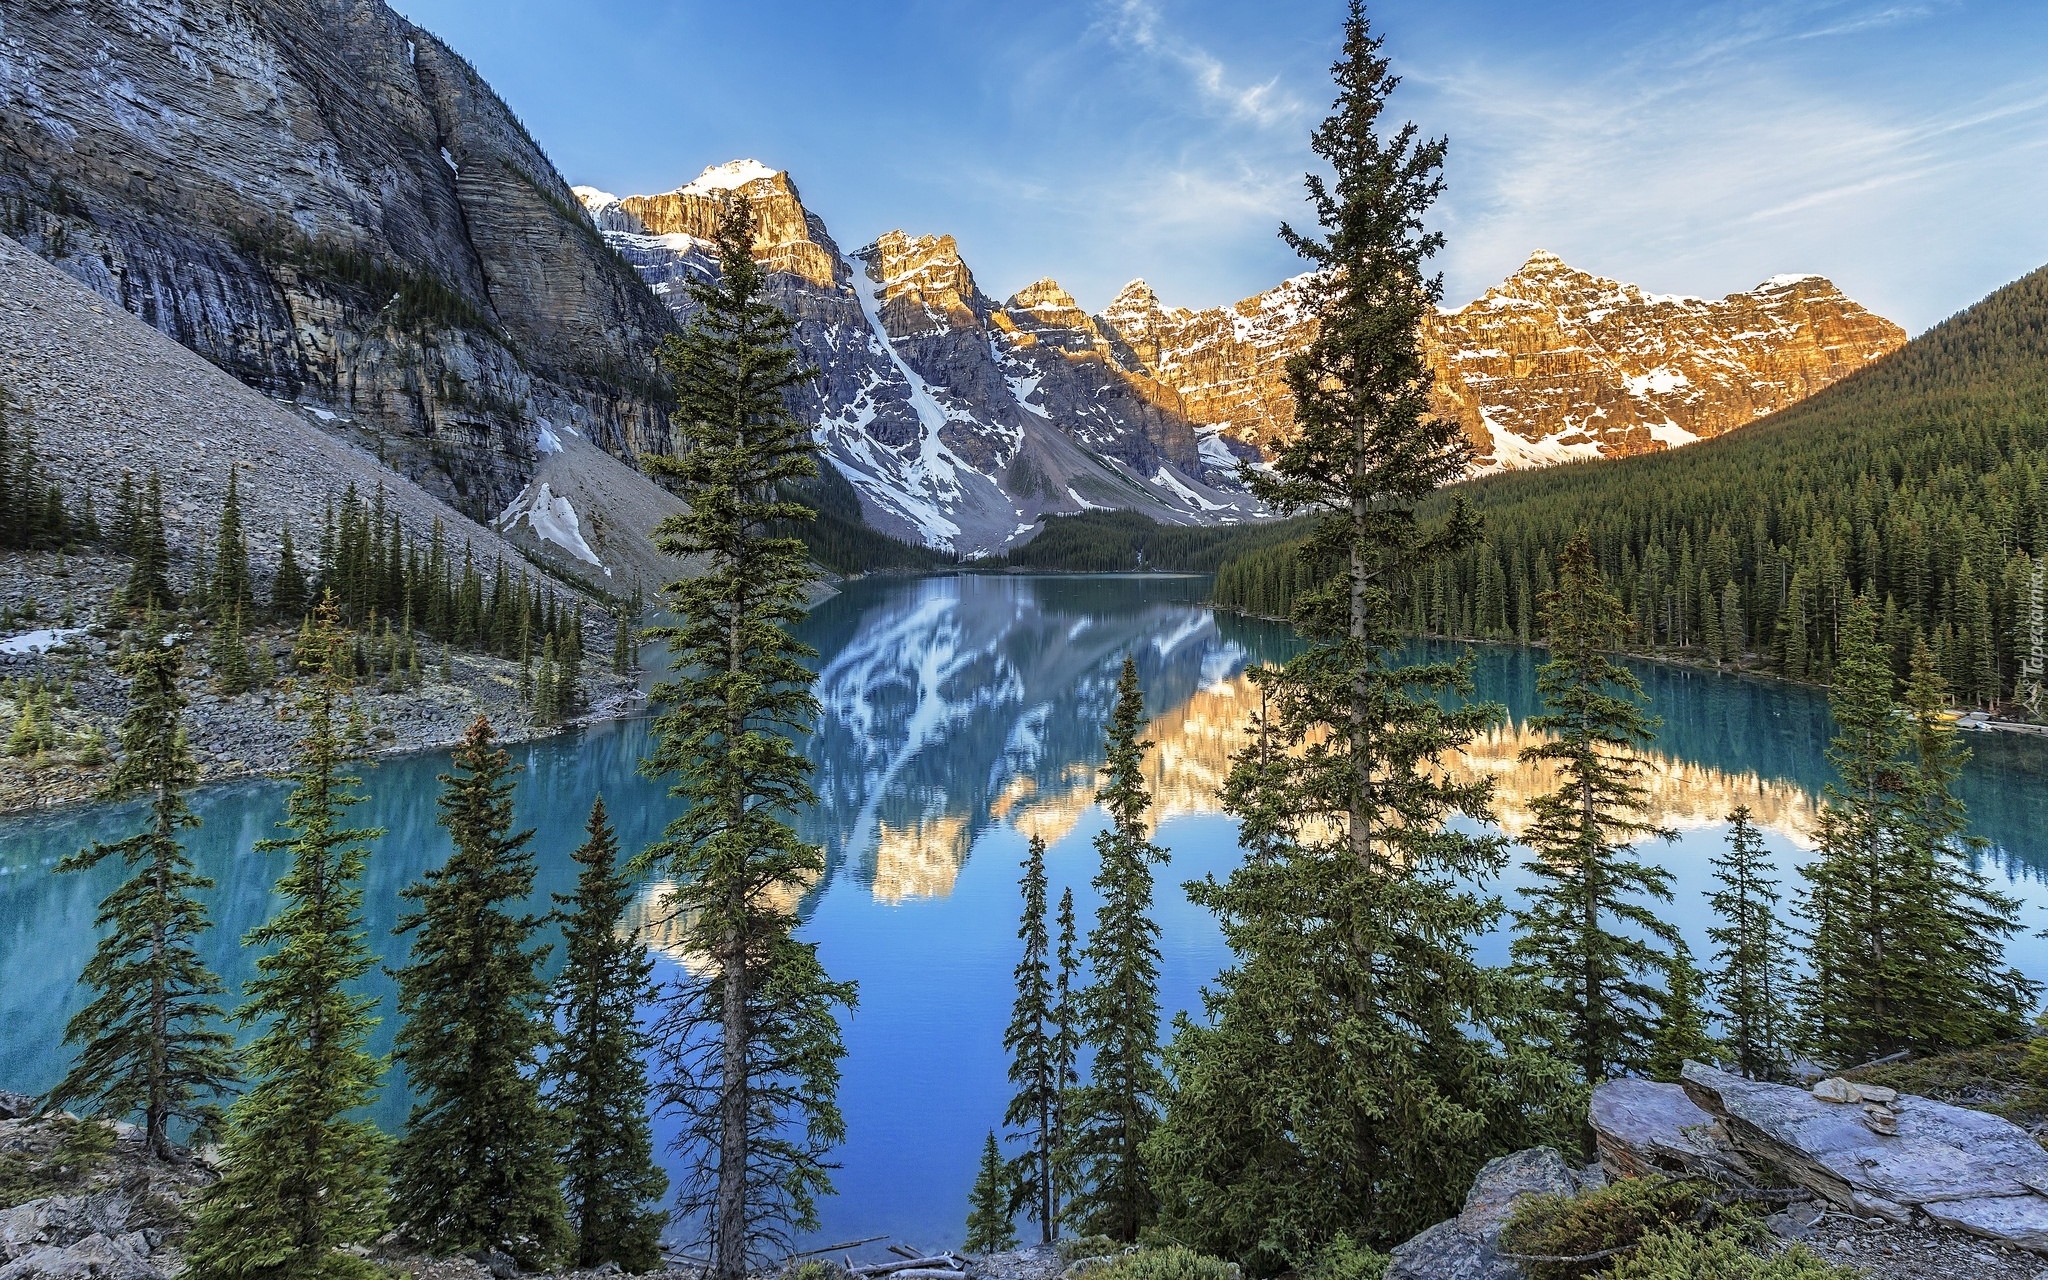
column 958, row 716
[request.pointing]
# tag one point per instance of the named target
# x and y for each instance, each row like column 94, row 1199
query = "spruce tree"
column 1904, row 941
column 1754, row 981
column 1116, row 1110
column 596, row 1075
column 233, row 673
column 476, row 1168
column 1680, row 1031
column 1589, row 936
column 1952, row 926
column 1359, row 1065
column 148, row 1041
column 231, row 593
column 1066, row 1053
column 288, row 587
column 302, row 1177
column 754, row 1067
column 989, row 1229
column 1032, row 1040
column 149, row 583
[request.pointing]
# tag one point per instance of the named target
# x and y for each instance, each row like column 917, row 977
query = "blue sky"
column 1900, row 148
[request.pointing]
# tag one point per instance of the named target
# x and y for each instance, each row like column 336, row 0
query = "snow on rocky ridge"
column 963, row 421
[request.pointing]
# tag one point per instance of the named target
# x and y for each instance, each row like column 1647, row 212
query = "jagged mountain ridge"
column 936, row 407
column 960, row 421
column 329, row 203
column 1550, row 365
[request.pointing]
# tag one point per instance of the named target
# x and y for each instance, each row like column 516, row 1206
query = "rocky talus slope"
column 960, row 421
column 104, row 393
column 329, row 203
column 1550, row 365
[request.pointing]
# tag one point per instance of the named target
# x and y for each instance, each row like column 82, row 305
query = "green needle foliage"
column 288, row 586
column 476, row 1168
column 1955, row 925
column 303, row 1174
column 147, row 1041
column 1357, row 1065
column 989, row 1229
column 1066, row 1053
column 142, row 520
column 753, row 1044
column 1905, row 941
column 1113, row 1114
column 1680, row 1032
column 596, row 1076
column 1588, row 936
column 1754, row 979
column 231, row 594
column 1032, row 1040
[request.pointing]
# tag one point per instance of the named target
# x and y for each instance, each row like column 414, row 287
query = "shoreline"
column 1971, row 720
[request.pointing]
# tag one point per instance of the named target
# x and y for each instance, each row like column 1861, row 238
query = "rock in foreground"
column 1958, row 1167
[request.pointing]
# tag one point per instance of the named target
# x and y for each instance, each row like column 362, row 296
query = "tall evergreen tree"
column 596, row 1075
column 1032, row 1040
column 476, row 1168
column 149, row 581
column 148, row 1041
column 989, row 1228
column 1589, row 935
column 303, row 1174
column 1359, row 1064
column 1754, row 979
column 1680, row 1031
column 1116, row 1110
column 753, row 1043
column 1066, row 1051
column 1904, row 941
column 231, row 591
column 1952, row 925
column 288, row 587
column 233, row 673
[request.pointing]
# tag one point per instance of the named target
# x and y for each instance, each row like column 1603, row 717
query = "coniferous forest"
column 1921, row 482
column 1352, row 1069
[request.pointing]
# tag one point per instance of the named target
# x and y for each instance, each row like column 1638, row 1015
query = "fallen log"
column 934, row 1262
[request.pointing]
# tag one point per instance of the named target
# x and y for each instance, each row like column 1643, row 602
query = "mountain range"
column 328, row 203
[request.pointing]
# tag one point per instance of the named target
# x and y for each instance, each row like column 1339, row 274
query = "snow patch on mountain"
column 730, row 176
column 552, row 518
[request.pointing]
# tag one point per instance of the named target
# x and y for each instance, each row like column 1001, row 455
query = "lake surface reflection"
column 959, row 716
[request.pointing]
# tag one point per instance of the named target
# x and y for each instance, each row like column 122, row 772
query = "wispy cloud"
column 1731, row 148
column 1138, row 25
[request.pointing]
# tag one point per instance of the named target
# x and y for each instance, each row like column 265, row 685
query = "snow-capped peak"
column 730, row 176
column 593, row 199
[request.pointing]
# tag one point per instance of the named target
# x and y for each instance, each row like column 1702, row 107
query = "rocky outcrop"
column 1642, row 1128
column 326, row 201
column 1926, row 1161
column 1466, row 1247
column 960, row 421
column 1550, row 365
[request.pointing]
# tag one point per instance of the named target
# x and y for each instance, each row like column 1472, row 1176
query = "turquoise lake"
column 960, row 715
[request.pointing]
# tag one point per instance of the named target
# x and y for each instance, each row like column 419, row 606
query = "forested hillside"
column 1920, row 479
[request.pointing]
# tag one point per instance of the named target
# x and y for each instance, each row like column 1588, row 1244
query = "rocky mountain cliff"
column 960, row 421
column 329, row 203
column 1550, row 365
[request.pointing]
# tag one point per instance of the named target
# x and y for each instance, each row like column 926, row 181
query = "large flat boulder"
column 1960, row 1167
column 1642, row 1127
column 1465, row 1247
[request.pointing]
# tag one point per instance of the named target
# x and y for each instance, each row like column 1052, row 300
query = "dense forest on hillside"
column 1923, row 479
column 841, row 540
